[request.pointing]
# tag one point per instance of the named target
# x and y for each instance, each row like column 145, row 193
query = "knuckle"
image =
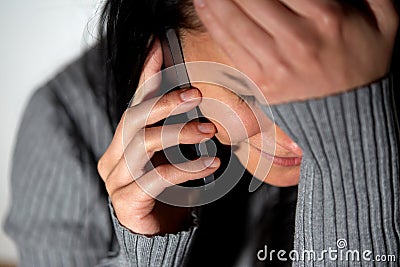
column 170, row 100
column 258, row 75
column 108, row 182
column 140, row 197
column 138, row 145
column 150, row 140
column 305, row 44
column 187, row 130
column 121, row 208
column 183, row 133
column 331, row 17
column 165, row 174
column 305, row 49
column 163, row 171
column 101, row 168
column 139, row 140
column 117, row 199
column 128, row 113
column 148, row 145
column 165, row 100
column 122, row 201
column 280, row 72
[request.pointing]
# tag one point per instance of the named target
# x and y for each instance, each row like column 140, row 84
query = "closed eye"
column 249, row 99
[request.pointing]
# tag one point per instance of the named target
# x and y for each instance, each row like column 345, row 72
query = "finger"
column 272, row 16
column 118, row 177
column 157, row 109
column 326, row 11
column 113, row 153
column 150, row 140
column 151, row 67
column 385, row 14
column 162, row 137
column 164, row 176
column 221, row 33
column 304, row 8
column 158, row 179
column 139, row 116
column 137, row 200
column 145, row 143
column 311, row 9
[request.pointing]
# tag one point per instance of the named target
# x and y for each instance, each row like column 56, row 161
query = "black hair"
column 129, row 28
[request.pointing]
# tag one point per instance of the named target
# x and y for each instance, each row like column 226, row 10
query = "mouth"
column 278, row 160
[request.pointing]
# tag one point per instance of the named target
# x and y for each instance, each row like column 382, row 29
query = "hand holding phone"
column 132, row 188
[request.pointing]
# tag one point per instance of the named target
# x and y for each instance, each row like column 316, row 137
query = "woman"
column 347, row 189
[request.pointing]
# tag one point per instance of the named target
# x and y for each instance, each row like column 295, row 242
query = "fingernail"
column 200, row 3
column 206, row 127
column 188, row 94
column 211, row 162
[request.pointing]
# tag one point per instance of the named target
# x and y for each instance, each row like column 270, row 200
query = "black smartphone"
column 178, row 78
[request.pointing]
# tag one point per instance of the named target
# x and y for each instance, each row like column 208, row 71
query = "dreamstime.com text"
column 338, row 253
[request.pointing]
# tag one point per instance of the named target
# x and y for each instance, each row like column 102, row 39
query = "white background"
column 37, row 38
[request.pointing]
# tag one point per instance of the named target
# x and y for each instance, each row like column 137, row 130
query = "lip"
column 281, row 161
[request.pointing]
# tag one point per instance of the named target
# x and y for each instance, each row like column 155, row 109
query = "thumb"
column 386, row 15
column 149, row 81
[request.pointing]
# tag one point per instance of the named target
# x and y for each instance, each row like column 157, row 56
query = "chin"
column 264, row 169
column 283, row 176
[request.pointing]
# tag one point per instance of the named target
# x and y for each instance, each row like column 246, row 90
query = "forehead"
column 199, row 46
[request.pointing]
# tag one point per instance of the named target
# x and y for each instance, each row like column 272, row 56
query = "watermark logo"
column 341, row 243
column 338, row 253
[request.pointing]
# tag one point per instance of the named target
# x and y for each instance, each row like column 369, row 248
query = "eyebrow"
column 236, row 79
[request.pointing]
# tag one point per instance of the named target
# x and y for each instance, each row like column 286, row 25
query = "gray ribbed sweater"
column 349, row 186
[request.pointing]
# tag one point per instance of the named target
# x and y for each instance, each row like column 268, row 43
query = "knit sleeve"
column 348, row 196
column 58, row 209
column 160, row 250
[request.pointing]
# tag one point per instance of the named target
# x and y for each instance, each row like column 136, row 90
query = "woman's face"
column 233, row 113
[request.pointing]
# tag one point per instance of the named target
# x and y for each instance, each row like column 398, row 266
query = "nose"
column 231, row 126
